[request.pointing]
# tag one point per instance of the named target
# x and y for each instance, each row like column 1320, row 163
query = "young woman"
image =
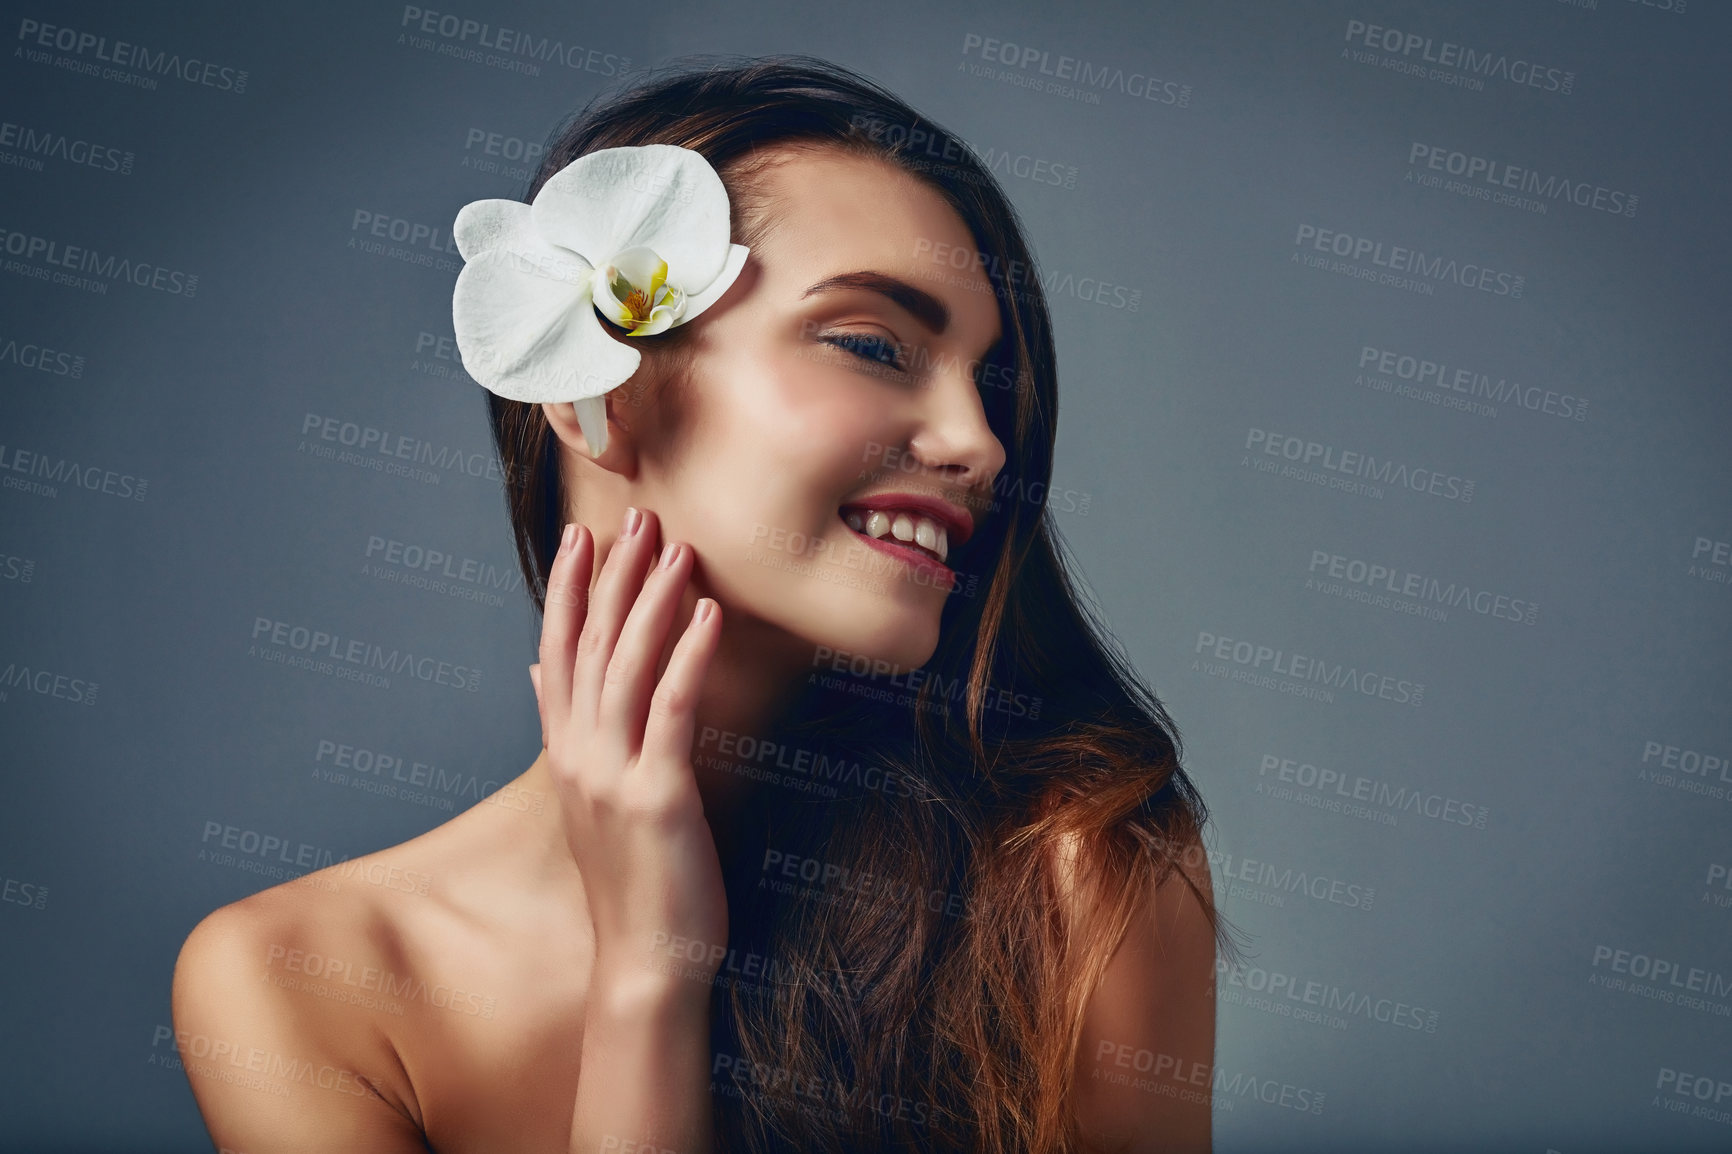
column 851, row 830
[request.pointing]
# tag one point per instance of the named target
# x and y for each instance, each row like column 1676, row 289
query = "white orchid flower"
column 638, row 234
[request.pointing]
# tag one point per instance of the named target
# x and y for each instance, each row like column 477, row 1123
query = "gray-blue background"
column 1585, row 736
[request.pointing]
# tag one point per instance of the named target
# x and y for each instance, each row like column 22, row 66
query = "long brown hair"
column 1028, row 741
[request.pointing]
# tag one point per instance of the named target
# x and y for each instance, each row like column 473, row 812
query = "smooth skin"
column 496, row 983
column 620, row 760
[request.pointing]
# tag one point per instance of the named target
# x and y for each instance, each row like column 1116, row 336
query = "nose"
column 952, row 435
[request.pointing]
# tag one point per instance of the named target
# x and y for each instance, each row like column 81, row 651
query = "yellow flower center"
column 637, row 302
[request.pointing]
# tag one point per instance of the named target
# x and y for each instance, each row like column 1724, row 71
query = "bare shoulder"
column 1145, row 1060
column 276, row 1052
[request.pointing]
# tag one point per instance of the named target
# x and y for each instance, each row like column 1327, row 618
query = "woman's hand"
column 620, row 756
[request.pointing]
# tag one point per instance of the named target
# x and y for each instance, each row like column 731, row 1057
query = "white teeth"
column 917, row 529
column 926, row 534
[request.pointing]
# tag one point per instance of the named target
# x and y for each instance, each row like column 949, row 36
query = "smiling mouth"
column 900, row 530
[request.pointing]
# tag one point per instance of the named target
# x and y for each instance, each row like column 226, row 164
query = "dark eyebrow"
column 922, row 306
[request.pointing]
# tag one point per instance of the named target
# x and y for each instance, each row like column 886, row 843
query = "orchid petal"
column 592, row 419
column 655, row 195
column 661, row 319
column 531, row 338
column 697, row 302
column 642, row 266
column 638, row 234
column 492, row 226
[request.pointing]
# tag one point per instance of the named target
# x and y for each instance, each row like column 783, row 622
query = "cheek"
column 776, row 444
column 798, row 437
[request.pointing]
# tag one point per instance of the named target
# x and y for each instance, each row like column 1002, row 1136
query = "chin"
column 902, row 635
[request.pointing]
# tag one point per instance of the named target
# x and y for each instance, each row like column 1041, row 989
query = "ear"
column 621, row 454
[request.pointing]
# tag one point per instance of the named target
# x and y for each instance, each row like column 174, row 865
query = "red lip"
column 944, row 575
column 958, row 522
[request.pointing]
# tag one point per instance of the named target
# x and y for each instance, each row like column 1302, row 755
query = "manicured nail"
column 669, row 552
column 633, row 519
column 703, row 610
column 568, row 537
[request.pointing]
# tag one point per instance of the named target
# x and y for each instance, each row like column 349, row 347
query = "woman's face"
column 833, row 401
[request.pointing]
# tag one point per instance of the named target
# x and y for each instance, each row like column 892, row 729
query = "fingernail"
column 633, row 519
column 567, row 537
column 669, row 552
column 703, row 610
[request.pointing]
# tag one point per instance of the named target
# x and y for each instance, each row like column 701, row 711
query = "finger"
column 563, row 615
column 667, row 737
column 631, row 671
column 615, row 591
column 540, row 709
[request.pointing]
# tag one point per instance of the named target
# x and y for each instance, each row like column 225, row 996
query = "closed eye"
column 868, row 347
